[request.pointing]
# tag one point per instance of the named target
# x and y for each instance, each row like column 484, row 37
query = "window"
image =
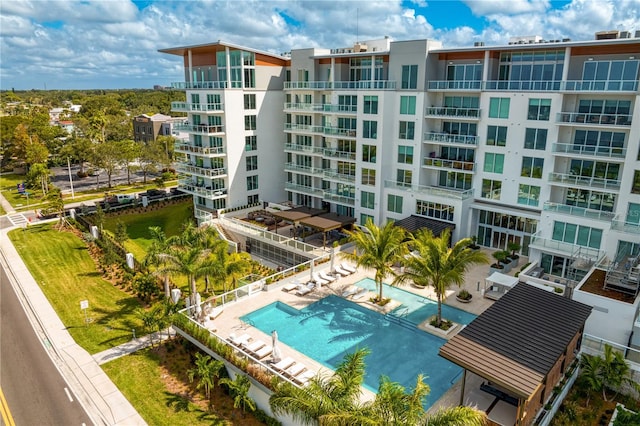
column 497, row 135
column 491, row 189
column 253, row 199
column 456, row 128
column 369, row 129
column 434, row 210
column 499, row 108
column 595, row 169
column 347, row 103
column 635, row 188
column 528, row 195
column 465, row 72
column 369, row 153
column 367, row 199
column 252, row 183
column 408, row 105
column 535, row 139
column 577, row 234
column 493, row 163
column 633, row 214
column 594, row 200
column 252, row 162
column 405, row 154
column 596, row 141
column 394, row 203
column 409, row 77
column 539, row 109
column 370, row 104
column 369, row 177
column 195, row 98
column 364, row 218
column 250, row 122
column 250, row 143
column 250, row 101
column 404, row 177
column 407, row 130
column 532, row 167
column 611, row 75
column 456, row 180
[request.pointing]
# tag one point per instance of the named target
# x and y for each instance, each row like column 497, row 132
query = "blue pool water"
column 332, row 327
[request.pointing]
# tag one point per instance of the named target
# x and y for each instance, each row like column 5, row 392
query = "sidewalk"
column 102, row 400
column 132, row 346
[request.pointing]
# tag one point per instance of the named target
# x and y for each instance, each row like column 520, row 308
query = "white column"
column 189, row 79
column 567, row 57
column 485, row 67
column 373, row 68
column 228, row 65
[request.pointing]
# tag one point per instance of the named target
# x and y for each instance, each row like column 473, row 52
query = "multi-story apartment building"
column 534, row 142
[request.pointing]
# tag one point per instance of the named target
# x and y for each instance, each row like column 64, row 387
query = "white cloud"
column 491, row 7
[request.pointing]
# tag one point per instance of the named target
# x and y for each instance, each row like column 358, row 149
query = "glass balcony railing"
column 188, row 85
column 570, row 249
column 187, row 185
column 449, row 138
column 189, row 107
column 187, row 148
column 578, row 211
column 334, row 153
column 594, row 119
column 303, row 128
column 458, row 194
column 330, row 108
column 335, row 174
column 522, row 86
column 341, row 85
column 584, row 181
column 200, row 171
column 627, row 227
column 600, row 86
column 536, row 85
column 454, row 112
column 304, row 189
column 303, row 148
column 339, row 131
column 589, row 150
column 339, row 197
column 455, row 85
column 199, row 128
column 440, row 163
column 292, row 167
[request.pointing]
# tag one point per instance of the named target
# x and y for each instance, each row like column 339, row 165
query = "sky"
column 111, row 44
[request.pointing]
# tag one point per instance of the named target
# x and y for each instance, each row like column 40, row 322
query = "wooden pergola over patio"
column 295, row 215
column 327, row 222
column 521, row 346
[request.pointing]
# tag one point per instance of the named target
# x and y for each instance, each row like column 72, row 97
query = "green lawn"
column 8, row 186
column 60, row 263
column 170, row 219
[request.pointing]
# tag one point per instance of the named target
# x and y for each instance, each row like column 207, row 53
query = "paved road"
column 60, row 177
column 35, row 391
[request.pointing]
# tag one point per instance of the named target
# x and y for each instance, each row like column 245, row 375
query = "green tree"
column 615, row 372
column 54, row 203
column 157, row 255
column 107, row 156
column 99, row 216
column 206, row 371
column 78, row 149
column 129, row 153
column 239, row 390
column 39, row 174
column 149, row 318
column 438, row 265
column 151, row 158
column 36, row 151
column 121, row 231
column 377, row 248
column 145, row 285
column 166, row 143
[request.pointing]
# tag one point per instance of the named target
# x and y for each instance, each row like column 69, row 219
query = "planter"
column 507, row 268
column 514, row 261
column 463, row 300
column 493, row 269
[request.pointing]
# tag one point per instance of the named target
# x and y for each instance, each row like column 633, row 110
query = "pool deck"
column 229, row 322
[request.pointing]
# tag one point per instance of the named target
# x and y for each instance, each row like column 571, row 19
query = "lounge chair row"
column 355, row 292
column 295, row 371
column 344, row 269
column 256, row 348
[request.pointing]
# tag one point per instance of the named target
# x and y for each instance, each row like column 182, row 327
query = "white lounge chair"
column 304, row 378
column 350, row 291
column 340, row 271
column 295, row 369
column 326, row 276
column 303, row 289
column 348, row 267
column 289, row 287
column 318, row 280
column 215, row 312
column 262, row 352
column 283, row 364
column 239, row 340
column 254, row 346
column 360, row 294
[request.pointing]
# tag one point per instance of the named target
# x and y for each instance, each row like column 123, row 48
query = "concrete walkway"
column 132, row 346
column 102, row 400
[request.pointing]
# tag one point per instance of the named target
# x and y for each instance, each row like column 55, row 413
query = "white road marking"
column 68, row 394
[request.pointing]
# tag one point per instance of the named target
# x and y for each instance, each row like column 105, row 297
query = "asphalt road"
column 35, row 391
column 60, row 177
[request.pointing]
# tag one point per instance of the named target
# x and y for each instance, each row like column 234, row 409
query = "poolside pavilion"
column 520, row 347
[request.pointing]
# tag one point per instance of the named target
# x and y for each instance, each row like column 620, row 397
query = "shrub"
column 464, row 295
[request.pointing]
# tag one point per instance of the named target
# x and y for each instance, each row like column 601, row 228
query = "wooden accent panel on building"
column 270, row 61
column 460, row 56
column 202, row 59
column 618, row 49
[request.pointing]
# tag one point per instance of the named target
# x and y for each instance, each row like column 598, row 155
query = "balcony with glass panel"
column 453, row 113
column 444, row 164
column 339, row 132
column 341, row 85
column 299, row 168
column 333, row 174
column 579, row 150
column 190, row 107
column 310, row 149
column 185, row 147
column 303, row 128
column 575, row 211
column 343, row 155
column 194, row 85
column 590, row 119
column 570, row 180
column 339, row 197
column 626, row 227
column 522, row 85
column 191, row 169
column 454, row 85
column 600, row 86
column 437, row 191
column 448, row 138
column 303, row 189
column 566, row 249
column 201, row 190
column 200, row 129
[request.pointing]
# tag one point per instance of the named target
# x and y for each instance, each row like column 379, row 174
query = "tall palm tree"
column 206, row 370
column 239, row 389
column 377, row 248
column 455, row 416
column 190, row 262
column 229, row 268
column 157, row 254
column 437, row 264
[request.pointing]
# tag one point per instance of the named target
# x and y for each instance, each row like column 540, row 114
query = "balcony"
column 339, row 131
column 343, row 155
column 329, row 108
column 583, row 119
column 573, row 150
column 453, row 113
column 339, row 197
column 303, row 148
column 584, row 181
column 340, row 85
column 600, row 86
column 448, row 138
column 187, row 148
column 561, row 247
column 200, row 129
column 446, row 85
column 292, row 167
column 522, row 86
column 437, row 191
column 578, row 211
column 191, row 85
column 193, row 170
column 303, row 128
column 189, row 107
column 302, row 188
column 626, row 227
column 189, row 186
column 440, row 164
column 336, row 175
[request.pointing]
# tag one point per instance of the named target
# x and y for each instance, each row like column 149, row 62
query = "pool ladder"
column 400, row 318
column 246, row 324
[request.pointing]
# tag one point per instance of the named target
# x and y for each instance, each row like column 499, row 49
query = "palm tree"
column 438, row 265
column 379, row 248
column 149, row 320
column 614, row 372
column 590, row 379
column 156, row 255
column 206, row 370
column 190, row 262
column 455, row 416
column 229, row 268
column 239, row 389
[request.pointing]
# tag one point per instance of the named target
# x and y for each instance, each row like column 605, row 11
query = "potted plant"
column 474, row 245
column 464, row 296
column 500, row 257
column 514, row 248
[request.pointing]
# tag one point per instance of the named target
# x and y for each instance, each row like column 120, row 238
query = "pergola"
column 295, row 215
column 327, row 222
column 413, row 223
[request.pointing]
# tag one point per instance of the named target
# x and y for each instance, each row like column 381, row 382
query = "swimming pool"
column 419, row 308
column 332, row 327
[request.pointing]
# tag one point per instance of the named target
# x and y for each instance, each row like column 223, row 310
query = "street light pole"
column 70, row 178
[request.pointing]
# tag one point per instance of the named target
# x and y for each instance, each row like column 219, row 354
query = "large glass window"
column 370, row 104
column 364, row 218
column 633, row 214
column 499, row 107
column 409, row 77
column 456, row 128
column 528, row 195
column 408, row 105
column 455, row 180
column 612, row 75
column 535, row 139
column 491, row 189
column 577, row 234
column 406, row 130
column 539, row 109
column 394, row 203
column 250, row 143
column 367, row 199
column 435, row 210
column 464, row 72
column 531, row 67
column 404, row 177
column 532, row 167
column 250, row 101
column 604, row 142
column 252, row 183
column 369, row 153
column 497, row 135
column 493, row 163
column 370, row 129
column 594, row 200
column 635, row 187
column 250, row 122
column 369, row 177
column 405, row 154
column 594, row 169
column 252, row 162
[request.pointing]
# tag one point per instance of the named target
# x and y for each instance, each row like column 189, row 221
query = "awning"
column 413, row 223
column 502, row 279
column 296, row 214
column 328, row 221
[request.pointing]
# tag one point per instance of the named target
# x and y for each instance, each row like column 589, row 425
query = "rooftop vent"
column 607, row 35
column 565, row 40
column 624, row 34
column 478, row 44
column 637, row 34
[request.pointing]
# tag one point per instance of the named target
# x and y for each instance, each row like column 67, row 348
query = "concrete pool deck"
column 230, row 321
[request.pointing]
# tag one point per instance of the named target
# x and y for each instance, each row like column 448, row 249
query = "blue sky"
column 85, row 44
